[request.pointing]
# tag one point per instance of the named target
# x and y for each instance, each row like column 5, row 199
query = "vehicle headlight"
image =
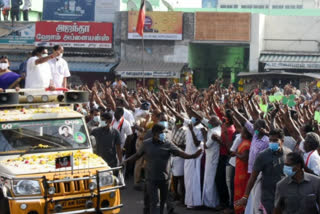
column 26, row 187
column 106, row 179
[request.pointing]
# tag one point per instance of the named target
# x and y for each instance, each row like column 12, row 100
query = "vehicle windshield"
column 43, row 135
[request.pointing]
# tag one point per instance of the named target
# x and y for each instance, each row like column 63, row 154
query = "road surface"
column 133, row 203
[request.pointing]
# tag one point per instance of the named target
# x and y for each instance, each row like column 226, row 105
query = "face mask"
column 162, row 137
column 288, row 171
column 4, row 66
column 274, row 146
column 256, row 132
column 96, row 119
column 60, row 56
column 193, row 120
column 210, row 126
column 164, row 123
column 103, row 124
column 44, row 55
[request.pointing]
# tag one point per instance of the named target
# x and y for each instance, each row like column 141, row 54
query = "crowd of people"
column 217, row 148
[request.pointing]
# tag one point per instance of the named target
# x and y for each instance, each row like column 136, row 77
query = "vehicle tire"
column 4, row 204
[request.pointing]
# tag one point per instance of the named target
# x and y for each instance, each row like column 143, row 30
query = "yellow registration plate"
column 74, row 203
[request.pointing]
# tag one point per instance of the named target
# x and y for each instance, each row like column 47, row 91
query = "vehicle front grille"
column 71, row 187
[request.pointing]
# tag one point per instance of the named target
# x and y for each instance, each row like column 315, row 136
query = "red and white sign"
column 74, row 34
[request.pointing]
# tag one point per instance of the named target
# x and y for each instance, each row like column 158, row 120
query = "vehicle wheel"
column 4, row 204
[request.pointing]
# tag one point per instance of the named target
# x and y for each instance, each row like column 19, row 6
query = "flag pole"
column 144, row 80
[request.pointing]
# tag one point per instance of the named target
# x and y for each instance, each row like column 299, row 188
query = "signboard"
column 23, row 35
column 222, row 26
column 80, row 10
column 158, row 25
column 148, row 74
column 292, row 65
column 74, row 34
column 69, row 10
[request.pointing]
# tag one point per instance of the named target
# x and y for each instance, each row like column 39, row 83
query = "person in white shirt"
column 59, row 68
column 122, row 125
column 210, row 194
column 311, row 156
column 38, row 69
column 26, row 7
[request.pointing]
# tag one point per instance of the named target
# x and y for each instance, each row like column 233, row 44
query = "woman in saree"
column 8, row 79
column 241, row 173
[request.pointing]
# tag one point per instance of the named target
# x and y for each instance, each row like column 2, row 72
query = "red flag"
column 141, row 18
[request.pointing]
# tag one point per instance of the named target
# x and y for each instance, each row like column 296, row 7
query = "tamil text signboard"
column 149, row 74
column 292, row 65
column 158, row 25
column 74, row 34
column 222, row 26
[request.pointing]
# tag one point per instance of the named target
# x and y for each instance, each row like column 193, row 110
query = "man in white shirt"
column 311, row 156
column 59, row 68
column 38, row 69
column 122, row 125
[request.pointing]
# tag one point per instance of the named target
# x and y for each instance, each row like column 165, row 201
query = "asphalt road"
column 133, row 203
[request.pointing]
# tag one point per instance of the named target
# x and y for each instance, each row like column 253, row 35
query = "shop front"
column 153, row 74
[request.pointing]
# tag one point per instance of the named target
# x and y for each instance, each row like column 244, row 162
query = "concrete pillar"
column 257, row 40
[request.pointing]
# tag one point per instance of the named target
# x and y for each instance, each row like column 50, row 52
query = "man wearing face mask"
column 157, row 152
column 270, row 162
column 108, row 142
column 311, row 156
column 59, row 68
column 39, row 73
column 212, row 146
column 8, row 79
column 299, row 192
column 95, row 120
column 122, row 125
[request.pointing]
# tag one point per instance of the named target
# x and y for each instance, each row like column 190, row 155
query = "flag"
column 141, row 18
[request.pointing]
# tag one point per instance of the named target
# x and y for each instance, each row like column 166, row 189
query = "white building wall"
column 256, row 43
column 292, row 34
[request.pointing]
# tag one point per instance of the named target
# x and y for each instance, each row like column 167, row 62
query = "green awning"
column 290, row 61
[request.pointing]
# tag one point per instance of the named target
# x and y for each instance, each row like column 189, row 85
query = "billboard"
column 80, row 10
column 158, row 25
column 22, row 34
column 222, row 26
column 74, row 34
column 69, row 10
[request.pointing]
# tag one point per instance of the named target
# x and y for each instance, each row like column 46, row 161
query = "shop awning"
column 151, row 70
column 278, row 73
column 309, row 61
column 90, row 67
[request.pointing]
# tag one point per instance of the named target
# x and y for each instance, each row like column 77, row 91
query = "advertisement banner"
column 292, row 65
column 148, row 74
column 21, row 35
column 74, row 34
column 158, row 25
column 68, row 10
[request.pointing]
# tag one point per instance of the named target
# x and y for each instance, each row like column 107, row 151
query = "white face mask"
column 44, row 55
column 60, row 56
column 96, row 119
column 4, row 66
